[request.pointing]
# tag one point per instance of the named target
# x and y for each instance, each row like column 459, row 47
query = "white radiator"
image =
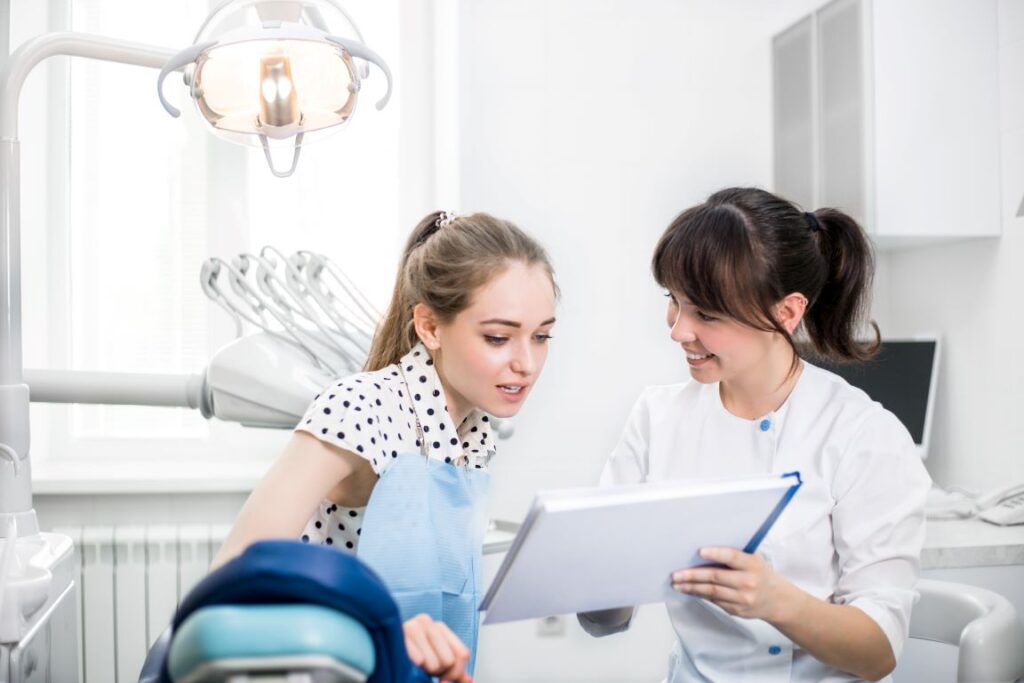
column 131, row 579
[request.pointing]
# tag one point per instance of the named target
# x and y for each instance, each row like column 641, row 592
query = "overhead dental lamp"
column 269, row 71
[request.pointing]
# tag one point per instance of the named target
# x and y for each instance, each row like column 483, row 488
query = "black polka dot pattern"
column 358, row 414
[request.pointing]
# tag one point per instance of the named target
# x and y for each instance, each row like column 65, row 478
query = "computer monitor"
column 902, row 378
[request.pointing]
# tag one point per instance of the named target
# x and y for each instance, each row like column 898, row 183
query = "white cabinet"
column 889, row 110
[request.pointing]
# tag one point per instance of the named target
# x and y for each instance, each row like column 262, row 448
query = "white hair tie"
column 445, row 219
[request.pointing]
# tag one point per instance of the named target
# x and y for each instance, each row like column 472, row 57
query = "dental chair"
column 285, row 611
column 983, row 624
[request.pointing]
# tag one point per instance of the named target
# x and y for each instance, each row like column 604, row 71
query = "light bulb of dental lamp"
column 277, row 81
column 279, row 105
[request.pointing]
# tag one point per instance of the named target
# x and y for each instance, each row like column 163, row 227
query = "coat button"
column 774, row 650
column 765, row 425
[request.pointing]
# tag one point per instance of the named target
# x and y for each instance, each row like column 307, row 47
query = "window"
column 133, row 202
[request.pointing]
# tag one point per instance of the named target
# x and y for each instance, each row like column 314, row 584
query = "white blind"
column 137, row 219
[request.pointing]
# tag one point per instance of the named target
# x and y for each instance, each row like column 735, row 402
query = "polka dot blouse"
column 374, row 414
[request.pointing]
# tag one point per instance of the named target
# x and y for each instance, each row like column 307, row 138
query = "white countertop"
column 499, row 536
column 971, row 543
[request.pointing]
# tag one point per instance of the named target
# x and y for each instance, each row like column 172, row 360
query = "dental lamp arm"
column 15, row 466
column 71, row 44
column 256, row 380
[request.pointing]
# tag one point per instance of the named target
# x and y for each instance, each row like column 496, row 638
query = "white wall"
column 970, row 293
column 592, row 124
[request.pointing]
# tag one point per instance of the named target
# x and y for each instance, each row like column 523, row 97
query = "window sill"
column 190, row 476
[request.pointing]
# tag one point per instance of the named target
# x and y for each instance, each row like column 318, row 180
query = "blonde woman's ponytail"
column 446, row 259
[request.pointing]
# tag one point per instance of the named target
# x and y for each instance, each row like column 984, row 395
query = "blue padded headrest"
column 293, row 572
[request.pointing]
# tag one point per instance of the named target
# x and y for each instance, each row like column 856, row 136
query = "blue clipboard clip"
column 755, row 541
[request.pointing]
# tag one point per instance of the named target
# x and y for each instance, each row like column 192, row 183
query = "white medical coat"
column 852, row 535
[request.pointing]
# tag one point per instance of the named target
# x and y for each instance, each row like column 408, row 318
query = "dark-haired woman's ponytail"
column 395, row 334
column 836, row 317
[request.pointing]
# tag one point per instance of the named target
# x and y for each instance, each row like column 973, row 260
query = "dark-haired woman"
column 828, row 597
column 391, row 463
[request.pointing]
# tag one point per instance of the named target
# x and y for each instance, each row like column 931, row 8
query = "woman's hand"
column 434, row 648
column 745, row 587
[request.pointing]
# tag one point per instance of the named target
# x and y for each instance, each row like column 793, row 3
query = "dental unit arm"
column 309, row 333
column 36, row 573
column 255, row 380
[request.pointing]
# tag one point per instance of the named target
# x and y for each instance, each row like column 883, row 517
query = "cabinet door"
column 842, row 106
column 936, row 125
column 793, row 104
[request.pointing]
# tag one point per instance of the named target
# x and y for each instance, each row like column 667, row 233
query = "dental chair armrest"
column 984, row 625
column 155, row 658
column 991, row 647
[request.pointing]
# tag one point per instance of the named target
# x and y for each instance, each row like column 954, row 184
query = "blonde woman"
column 391, row 463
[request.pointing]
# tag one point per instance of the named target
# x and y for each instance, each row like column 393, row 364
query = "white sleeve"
column 880, row 487
column 628, row 462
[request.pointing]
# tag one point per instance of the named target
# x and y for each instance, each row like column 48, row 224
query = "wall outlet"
column 551, row 627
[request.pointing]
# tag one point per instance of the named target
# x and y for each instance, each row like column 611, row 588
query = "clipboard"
column 586, row 549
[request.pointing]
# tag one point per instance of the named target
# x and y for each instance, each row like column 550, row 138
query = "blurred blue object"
column 286, row 603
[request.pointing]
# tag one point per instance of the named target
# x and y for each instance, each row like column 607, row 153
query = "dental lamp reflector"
column 279, row 106
column 274, row 82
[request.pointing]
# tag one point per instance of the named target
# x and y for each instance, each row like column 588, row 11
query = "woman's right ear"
column 425, row 322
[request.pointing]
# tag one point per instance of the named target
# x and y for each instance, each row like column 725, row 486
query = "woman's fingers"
column 448, row 666
column 464, row 678
column 746, row 586
column 431, row 664
column 436, row 649
column 457, row 645
column 415, row 653
column 711, row 591
column 731, row 557
column 729, row 578
column 416, row 639
column 457, row 672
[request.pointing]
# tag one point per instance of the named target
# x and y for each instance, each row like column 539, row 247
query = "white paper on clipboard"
column 597, row 548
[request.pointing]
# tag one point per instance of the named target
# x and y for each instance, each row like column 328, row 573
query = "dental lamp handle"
column 295, row 156
column 360, row 51
column 178, row 61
